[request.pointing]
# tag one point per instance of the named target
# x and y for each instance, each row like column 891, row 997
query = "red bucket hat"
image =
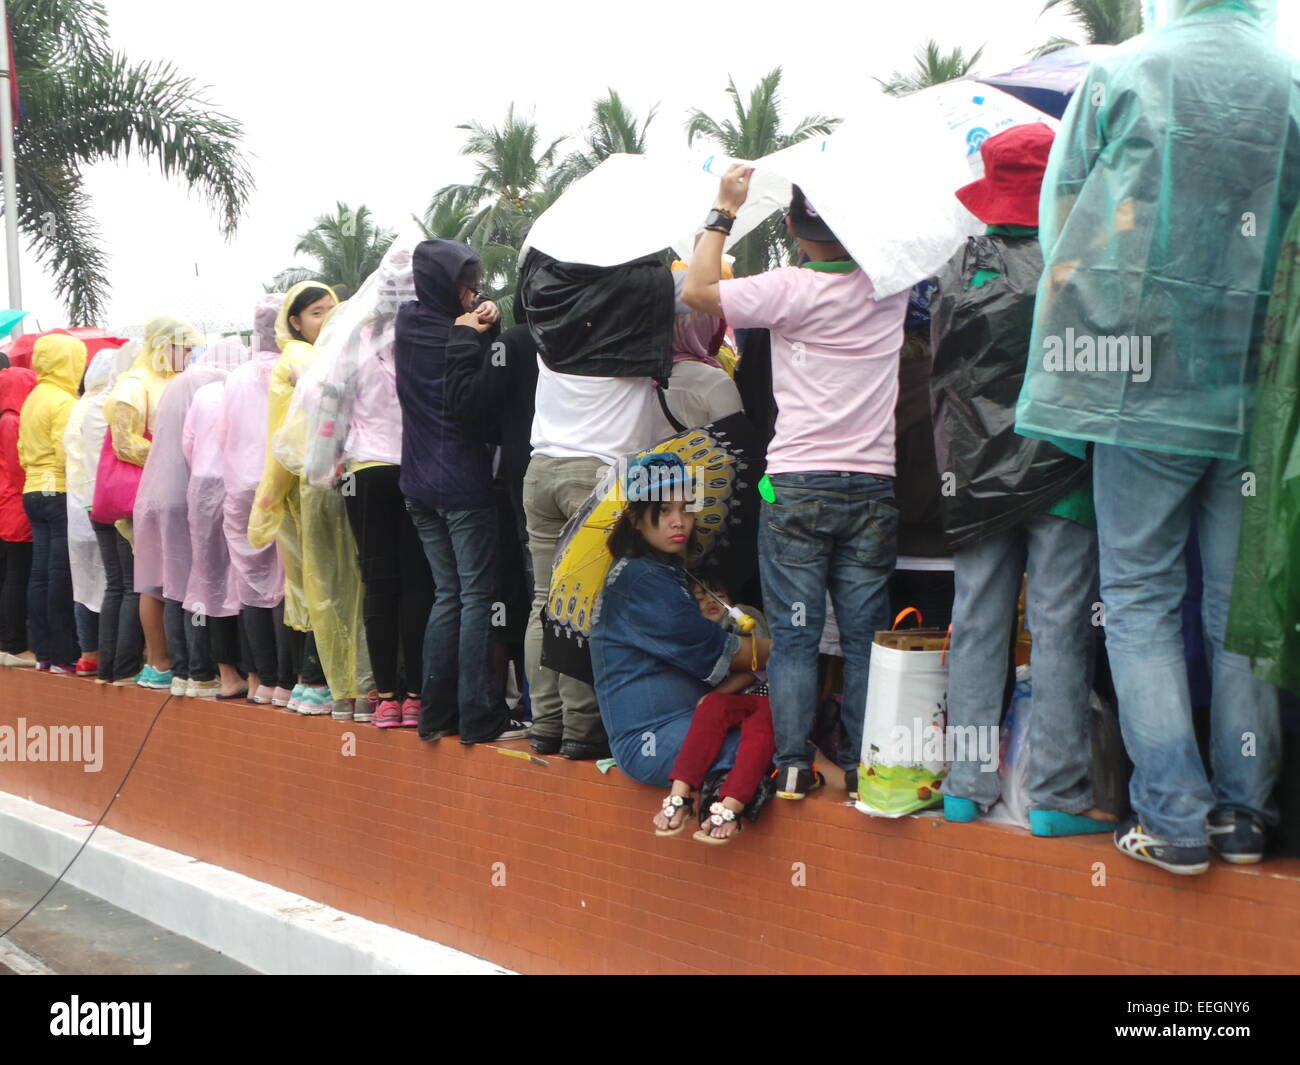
column 1014, row 162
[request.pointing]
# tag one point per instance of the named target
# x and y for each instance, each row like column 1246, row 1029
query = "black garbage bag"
column 600, row 321
column 990, row 477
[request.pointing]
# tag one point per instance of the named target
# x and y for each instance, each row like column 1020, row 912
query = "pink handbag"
column 116, row 484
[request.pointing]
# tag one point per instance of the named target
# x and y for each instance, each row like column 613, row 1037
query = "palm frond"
column 110, row 110
column 54, row 213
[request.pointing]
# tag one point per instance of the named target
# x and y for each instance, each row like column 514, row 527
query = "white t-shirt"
column 592, row 417
column 697, row 395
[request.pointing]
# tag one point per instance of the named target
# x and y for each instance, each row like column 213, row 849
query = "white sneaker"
column 6, row 659
column 203, row 689
column 180, row 686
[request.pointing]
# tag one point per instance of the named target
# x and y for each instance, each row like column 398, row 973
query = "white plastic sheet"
column 884, row 181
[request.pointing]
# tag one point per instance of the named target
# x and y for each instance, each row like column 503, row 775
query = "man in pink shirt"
column 830, row 522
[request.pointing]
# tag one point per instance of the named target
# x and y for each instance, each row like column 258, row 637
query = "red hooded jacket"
column 15, row 384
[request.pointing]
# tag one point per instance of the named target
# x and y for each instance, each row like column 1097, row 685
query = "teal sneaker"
column 315, row 701
column 295, row 695
column 156, row 679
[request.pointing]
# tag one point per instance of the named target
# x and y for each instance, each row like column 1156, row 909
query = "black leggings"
column 121, row 637
column 268, row 650
column 396, row 575
column 306, row 664
column 15, row 568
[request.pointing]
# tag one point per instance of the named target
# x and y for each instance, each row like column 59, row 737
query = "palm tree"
column 1103, row 22
column 932, row 68
column 517, row 179
column 83, row 104
column 613, row 128
column 347, row 247
column 754, row 130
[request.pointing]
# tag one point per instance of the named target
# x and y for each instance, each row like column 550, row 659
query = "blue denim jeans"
column 1060, row 558
column 459, row 693
column 1147, row 503
column 49, row 586
column 831, row 532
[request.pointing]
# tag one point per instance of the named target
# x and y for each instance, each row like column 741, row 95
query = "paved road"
column 72, row 932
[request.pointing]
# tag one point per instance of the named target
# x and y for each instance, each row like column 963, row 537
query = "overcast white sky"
column 359, row 102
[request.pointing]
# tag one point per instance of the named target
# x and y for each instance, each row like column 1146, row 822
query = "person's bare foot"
column 1098, row 814
column 665, row 823
column 728, row 828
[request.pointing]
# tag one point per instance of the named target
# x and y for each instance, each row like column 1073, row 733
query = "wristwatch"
column 719, row 220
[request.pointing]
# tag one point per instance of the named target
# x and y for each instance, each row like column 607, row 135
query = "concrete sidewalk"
column 75, row 933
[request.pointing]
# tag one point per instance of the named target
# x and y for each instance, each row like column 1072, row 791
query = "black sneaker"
column 795, row 783
column 545, row 744
column 1236, row 837
column 584, row 752
column 851, row 783
column 1133, row 840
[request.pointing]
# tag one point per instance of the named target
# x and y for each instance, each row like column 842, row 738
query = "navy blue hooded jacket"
column 443, row 466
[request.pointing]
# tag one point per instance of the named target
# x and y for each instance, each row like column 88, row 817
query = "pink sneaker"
column 410, row 713
column 389, row 714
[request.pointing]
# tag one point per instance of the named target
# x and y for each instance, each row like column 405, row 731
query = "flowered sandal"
column 719, row 815
column 673, row 804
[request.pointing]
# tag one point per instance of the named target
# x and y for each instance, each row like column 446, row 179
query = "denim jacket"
column 653, row 653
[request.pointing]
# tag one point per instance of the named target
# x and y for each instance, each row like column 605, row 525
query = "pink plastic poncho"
column 209, row 589
column 160, row 519
column 256, row 575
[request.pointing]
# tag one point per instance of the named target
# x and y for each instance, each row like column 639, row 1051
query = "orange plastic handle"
column 904, row 612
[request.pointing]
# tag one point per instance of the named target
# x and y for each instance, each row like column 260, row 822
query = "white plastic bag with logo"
column 903, row 759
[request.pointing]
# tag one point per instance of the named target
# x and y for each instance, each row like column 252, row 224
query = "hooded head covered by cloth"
column 132, row 406
column 225, row 353
column 16, row 384
column 443, row 465
column 1166, row 195
column 265, row 315
column 697, row 335
column 1161, row 13
column 599, row 321
column 59, row 362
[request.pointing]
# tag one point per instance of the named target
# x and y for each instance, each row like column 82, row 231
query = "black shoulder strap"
column 663, row 405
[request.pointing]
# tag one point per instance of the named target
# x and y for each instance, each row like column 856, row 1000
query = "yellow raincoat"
column 132, row 406
column 322, row 584
column 58, row 362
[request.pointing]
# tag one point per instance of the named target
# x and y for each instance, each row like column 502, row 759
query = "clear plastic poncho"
column 160, row 520
column 1161, row 216
column 276, row 515
column 315, row 523
column 209, row 589
column 256, row 573
column 353, row 371
column 83, row 438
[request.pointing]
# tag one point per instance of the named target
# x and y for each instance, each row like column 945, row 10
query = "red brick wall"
column 407, row 833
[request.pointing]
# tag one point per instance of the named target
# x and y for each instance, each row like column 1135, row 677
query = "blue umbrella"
column 1048, row 83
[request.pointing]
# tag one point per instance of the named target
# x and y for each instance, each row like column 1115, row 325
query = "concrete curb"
column 261, row 926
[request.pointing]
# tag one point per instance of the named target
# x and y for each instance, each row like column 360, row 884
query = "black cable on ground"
column 95, row 827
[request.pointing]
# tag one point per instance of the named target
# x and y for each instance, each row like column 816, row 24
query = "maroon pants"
column 714, row 718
